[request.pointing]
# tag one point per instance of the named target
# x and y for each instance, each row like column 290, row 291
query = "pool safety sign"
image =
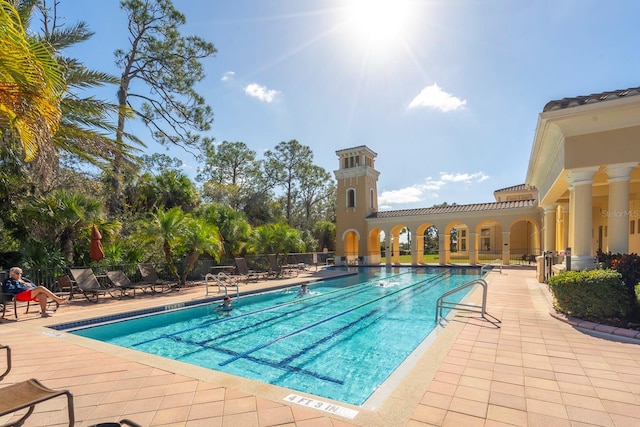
column 323, row 406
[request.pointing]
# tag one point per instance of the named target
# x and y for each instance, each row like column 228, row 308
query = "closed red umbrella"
column 95, row 250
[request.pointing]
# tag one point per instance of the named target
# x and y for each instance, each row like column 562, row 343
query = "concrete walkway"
column 535, row 370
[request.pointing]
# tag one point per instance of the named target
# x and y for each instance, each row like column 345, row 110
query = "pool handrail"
column 441, row 304
column 491, row 264
column 222, row 280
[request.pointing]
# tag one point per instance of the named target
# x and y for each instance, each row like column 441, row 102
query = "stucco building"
column 581, row 191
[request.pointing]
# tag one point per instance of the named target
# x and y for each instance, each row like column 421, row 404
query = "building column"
column 581, row 218
column 396, row 248
column 387, row 248
column 417, row 249
column 506, row 247
column 562, row 229
column 618, row 208
column 549, row 235
column 443, row 248
column 472, row 241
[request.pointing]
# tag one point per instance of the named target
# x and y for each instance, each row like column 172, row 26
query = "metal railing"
column 485, row 267
column 222, row 280
column 441, row 304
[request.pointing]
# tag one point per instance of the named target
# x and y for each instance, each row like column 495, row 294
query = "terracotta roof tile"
column 519, row 187
column 515, row 204
column 589, row 99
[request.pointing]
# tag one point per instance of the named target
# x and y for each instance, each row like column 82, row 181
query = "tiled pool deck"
column 535, row 370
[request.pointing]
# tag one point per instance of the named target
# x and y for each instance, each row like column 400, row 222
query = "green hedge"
column 598, row 293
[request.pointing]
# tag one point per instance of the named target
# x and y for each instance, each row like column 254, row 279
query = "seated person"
column 24, row 290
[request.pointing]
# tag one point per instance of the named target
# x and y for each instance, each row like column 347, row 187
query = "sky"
column 446, row 92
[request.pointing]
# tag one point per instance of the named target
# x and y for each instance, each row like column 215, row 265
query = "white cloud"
column 467, row 178
column 429, row 189
column 434, row 97
column 404, row 195
column 261, row 92
column 229, row 75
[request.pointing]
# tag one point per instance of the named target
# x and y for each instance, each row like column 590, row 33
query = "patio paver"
column 535, row 370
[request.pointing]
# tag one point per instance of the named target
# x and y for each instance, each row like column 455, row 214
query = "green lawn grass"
column 434, row 259
column 429, row 259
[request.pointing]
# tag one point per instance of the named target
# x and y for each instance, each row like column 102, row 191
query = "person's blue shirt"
column 14, row 286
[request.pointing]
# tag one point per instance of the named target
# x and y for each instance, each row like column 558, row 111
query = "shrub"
column 597, row 293
column 628, row 265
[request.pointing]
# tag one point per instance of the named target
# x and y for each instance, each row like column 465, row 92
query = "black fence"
column 47, row 276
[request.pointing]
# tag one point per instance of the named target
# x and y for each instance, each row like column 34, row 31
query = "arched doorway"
column 375, row 243
column 524, row 241
column 351, row 239
column 489, row 242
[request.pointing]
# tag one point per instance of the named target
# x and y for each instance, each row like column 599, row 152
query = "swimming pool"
column 340, row 341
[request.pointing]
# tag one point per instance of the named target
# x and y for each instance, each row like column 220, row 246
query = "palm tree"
column 276, row 239
column 199, row 237
column 165, row 230
column 63, row 215
column 261, row 240
column 87, row 122
column 233, row 226
column 174, row 189
column 31, row 85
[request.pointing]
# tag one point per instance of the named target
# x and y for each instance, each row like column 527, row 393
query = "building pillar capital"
column 620, row 171
column 581, row 176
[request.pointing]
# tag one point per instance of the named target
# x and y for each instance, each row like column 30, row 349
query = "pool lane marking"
column 275, row 307
column 284, row 364
column 326, row 319
column 432, row 281
column 250, row 328
column 253, row 359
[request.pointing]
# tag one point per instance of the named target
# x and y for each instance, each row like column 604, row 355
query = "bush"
column 594, row 293
column 628, row 265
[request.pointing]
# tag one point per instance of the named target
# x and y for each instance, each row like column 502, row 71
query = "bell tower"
column 357, row 187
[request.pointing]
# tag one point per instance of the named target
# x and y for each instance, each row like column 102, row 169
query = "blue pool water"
column 340, row 341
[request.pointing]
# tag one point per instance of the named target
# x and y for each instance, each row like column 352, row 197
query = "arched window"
column 351, row 198
column 371, row 198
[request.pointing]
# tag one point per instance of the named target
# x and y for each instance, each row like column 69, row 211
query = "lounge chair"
column 245, row 273
column 120, row 280
column 8, row 301
column 27, row 394
column 12, row 303
column 278, row 271
column 88, row 284
column 64, row 285
column 300, row 263
column 150, row 277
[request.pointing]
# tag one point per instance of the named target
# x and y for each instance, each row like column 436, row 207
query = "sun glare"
column 377, row 22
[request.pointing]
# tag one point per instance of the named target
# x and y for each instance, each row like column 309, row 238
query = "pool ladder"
column 222, row 280
column 442, row 304
column 495, row 262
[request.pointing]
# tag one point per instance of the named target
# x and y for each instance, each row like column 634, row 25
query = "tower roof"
column 358, row 149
